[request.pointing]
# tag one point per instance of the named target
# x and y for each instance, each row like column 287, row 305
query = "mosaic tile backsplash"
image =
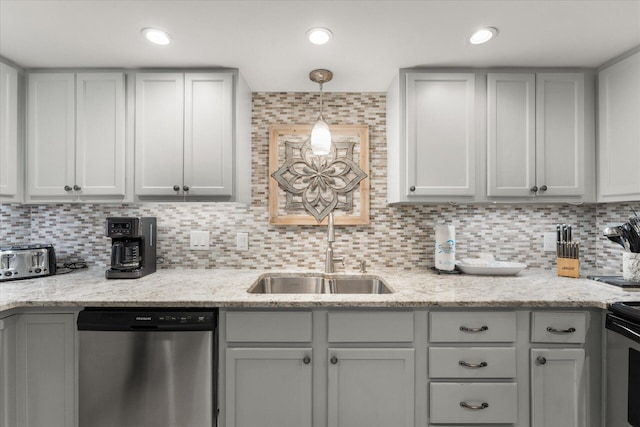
column 398, row 236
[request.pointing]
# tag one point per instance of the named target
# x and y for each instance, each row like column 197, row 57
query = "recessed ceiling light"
column 319, row 35
column 157, row 36
column 483, row 35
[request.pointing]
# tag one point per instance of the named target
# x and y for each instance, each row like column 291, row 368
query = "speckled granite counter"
column 228, row 288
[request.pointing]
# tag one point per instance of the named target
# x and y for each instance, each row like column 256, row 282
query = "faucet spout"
column 329, row 266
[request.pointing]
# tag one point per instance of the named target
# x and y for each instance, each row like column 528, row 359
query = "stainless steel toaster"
column 27, row 261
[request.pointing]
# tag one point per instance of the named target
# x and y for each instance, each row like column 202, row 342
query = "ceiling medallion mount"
column 321, row 76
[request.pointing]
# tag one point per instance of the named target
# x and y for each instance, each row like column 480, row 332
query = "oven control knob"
column 38, row 270
column 8, row 273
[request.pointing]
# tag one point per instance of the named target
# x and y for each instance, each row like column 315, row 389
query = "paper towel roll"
column 445, row 247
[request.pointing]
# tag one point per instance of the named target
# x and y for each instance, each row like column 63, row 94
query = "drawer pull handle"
column 472, row 365
column 334, row 360
column 306, row 360
column 474, row 407
column 561, row 331
column 474, row 330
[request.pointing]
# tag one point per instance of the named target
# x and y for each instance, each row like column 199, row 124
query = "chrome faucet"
column 329, row 258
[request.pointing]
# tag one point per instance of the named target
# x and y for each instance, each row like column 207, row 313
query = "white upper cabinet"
column 536, row 143
column 184, row 134
column 9, row 166
column 619, row 131
column 431, row 137
column 76, row 136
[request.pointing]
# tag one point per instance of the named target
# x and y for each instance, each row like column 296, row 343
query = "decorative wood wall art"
column 304, row 188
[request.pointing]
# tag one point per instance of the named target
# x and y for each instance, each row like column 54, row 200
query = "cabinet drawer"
column 472, row 362
column 483, row 326
column 363, row 326
column 567, row 327
column 501, row 400
column 268, row 326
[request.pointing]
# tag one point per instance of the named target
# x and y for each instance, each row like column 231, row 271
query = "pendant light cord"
column 321, row 101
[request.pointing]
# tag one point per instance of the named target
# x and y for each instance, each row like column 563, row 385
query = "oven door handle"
column 625, row 330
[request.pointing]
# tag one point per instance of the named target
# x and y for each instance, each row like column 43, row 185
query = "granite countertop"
column 228, row 288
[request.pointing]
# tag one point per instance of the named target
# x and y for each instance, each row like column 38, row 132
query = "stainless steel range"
column 623, row 364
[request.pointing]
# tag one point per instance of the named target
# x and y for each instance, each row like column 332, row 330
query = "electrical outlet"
column 549, row 242
column 199, row 241
column 242, row 241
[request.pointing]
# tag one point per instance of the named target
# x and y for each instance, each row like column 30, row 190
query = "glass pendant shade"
column 320, row 138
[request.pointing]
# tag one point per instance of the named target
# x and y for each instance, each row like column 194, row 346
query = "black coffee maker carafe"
column 133, row 247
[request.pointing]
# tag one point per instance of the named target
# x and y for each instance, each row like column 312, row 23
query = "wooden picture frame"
column 355, row 136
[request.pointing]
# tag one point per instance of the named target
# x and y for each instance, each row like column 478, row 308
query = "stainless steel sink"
column 275, row 284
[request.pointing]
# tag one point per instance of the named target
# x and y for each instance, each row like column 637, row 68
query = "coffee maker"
column 133, row 247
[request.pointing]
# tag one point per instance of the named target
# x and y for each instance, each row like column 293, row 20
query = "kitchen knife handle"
column 543, row 188
column 534, row 189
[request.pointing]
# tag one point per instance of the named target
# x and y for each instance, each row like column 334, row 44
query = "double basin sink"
column 319, row 284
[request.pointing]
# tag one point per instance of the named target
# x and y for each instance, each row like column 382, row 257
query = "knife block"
column 568, row 267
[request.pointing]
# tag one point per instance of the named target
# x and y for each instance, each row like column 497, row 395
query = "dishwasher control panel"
column 146, row 320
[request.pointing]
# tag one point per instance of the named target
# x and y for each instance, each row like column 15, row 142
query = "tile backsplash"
column 398, row 236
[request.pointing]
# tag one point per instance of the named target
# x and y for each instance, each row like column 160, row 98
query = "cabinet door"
column 371, row 387
column 159, row 133
column 268, row 387
column 511, row 144
column 208, row 135
column 100, row 134
column 51, row 134
column 46, row 370
column 557, row 388
column 560, row 144
column 8, row 372
column 619, row 131
column 440, row 130
column 8, row 130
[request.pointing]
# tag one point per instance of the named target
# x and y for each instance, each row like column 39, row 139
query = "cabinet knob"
column 176, row 188
column 185, row 188
column 543, row 188
column 77, row 187
column 306, row 360
column 412, row 188
column 534, row 189
column 541, row 360
column 67, row 188
column 334, row 360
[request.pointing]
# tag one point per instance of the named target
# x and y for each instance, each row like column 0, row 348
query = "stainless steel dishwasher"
column 147, row 368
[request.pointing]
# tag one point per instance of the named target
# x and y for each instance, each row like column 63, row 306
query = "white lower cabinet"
column 287, row 375
column 371, row 387
column 269, row 387
column 558, row 388
column 8, row 372
column 45, row 370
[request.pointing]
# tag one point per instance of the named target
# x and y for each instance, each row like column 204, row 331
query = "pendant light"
column 320, row 134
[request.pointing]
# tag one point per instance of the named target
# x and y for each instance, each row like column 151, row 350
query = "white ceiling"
column 266, row 39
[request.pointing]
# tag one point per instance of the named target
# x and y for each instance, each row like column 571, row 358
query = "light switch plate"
column 199, row 241
column 549, row 242
column 242, row 241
